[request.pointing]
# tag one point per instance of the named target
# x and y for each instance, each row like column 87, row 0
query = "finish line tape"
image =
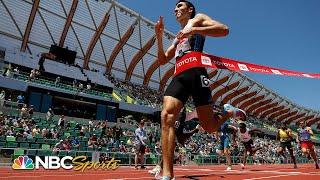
column 198, row 59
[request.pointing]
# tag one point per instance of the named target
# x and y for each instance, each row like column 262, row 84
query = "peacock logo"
column 23, row 162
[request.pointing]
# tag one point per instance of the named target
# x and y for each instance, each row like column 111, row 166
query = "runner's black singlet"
column 192, row 82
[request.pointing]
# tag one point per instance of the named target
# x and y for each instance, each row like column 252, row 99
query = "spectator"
column 122, row 147
column 94, row 138
column 75, row 142
column 91, row 125
column 117, row 133
column 30, row 111
column 140, row 144
column 80, row 86
column 32, row 74
column 15, row 72
column 67, row 144
column 88, row 86
column 19, row 133
column 2, row 98
column 103, row 158
column 49, row 115
column 68, row 126
column 24, row 113
column 8, row 72
column 129, row 141
column 2, row 118
column 35, row 131
column 56, row 83
column 59, row 146
column 157, row 149
column 45, row 132
column 147, row 151
column 74, row 83
column 10, row 132
column 61, row 122
column 20, row 99
column 27, row 135
column 54, row 133
column 41, row 61
column 77, row 127
column 92, row 141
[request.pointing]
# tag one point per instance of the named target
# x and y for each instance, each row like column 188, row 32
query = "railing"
column 43, row 81
column 127, row 159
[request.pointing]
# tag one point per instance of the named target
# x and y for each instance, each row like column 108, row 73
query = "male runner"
column 192, row 82
column 285, row 136
column 245, row 138
column 181, row 138
column 223, row 136
column 304, row 138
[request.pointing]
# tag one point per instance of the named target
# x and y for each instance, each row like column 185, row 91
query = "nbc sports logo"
column 243, row 67
column 23, row 162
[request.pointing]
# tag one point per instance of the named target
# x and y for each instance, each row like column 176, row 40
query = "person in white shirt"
column 49, row 115
column 140, row 144
column 61, row 121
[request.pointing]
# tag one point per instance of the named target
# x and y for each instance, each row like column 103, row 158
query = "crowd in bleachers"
column 100, row 136
column 139, row 92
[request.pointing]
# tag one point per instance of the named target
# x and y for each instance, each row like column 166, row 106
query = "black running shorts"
column 192, row 82
column 248, row 145
column 286, row 144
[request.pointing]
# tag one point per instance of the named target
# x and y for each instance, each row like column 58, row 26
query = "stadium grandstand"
column 76, row 77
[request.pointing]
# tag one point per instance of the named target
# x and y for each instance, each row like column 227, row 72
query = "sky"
column 278, row 33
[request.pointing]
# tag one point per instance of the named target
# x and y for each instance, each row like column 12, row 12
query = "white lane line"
column 268, row 177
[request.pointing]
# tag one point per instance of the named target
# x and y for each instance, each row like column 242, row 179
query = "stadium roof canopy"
column 112, row 38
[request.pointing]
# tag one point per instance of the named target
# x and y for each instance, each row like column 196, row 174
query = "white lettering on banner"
column 186, row 61
column 64, row 165
column 52, row 162
column 205, row 60
column 219, row 63
column 259, row 70
column 291, row 74
column 224, row 63
column 43, row 164
column 307, row 75
column 243, row 67
column 276, row 71
column 55, row 162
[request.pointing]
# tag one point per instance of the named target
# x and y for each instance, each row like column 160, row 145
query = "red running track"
column 251, row 172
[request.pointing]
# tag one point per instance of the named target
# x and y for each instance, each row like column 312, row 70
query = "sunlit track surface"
column 252, row 172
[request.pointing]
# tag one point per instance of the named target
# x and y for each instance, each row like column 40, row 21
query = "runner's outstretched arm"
column 163, row 56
